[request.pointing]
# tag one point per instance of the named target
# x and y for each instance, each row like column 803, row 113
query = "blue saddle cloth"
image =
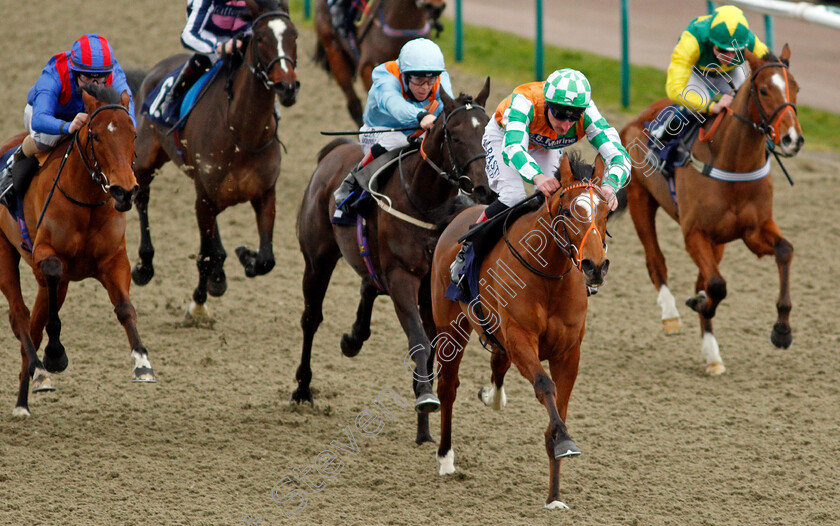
column 175, row 113
column 358, row 203
column 471, row 271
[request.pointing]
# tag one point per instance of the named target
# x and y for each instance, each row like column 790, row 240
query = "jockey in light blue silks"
column 55, row 107
column 404, row 93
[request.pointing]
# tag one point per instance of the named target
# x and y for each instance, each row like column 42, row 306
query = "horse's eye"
column 763, row 90
column 94, row 136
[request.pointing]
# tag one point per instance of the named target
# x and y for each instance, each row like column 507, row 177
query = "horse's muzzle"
column 287, row 91
column 123, row 198
column 594, row 274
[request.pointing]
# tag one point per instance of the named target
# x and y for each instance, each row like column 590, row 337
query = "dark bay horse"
column 228, row 147
column 382, row 34
column 713, row 212
column 401, row 251
column 76, row 232
column 533, row 302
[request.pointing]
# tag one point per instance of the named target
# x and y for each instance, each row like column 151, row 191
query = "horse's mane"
column 581, row 170
column 103, row 93
column 463, row 98
column 272, row 5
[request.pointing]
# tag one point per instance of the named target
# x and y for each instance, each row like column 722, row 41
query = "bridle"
column 575, row 257
column 260, row 72
column 769, row 125
column 459, row 177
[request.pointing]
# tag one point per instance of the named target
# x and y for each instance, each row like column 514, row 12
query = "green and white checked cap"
column 568, row 87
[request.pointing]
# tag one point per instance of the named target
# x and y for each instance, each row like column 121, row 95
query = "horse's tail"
column 335, row 143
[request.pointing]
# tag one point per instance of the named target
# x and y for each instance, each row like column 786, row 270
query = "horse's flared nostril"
column 588, row 267
column 786, row 140
column 800, row 142
column 605, row 267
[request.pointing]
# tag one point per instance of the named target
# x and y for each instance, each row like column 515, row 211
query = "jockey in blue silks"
column 404, row 93
column 55, row 107
column 211, row 26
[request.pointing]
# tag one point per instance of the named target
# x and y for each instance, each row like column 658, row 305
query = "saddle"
column 174, row 115
column 676, row 149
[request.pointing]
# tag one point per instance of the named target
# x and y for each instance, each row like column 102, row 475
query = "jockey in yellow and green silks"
column 708, row 59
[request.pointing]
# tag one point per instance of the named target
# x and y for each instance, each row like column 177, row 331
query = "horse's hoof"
column 348, row 347
column 300, row 396
column 20, row 412
column 53, row 364
column 556, row 505
column 197, row 315
column 427, row 403
column 142, row 274
column 217, row 285
column 248, row 259
column 493, row 397
column 41, row 381
column 781, row 337
column 424, row 438
column 715, row 369
column 566, row 448
column 144, row 375
column 671, row 326
column 447, row 463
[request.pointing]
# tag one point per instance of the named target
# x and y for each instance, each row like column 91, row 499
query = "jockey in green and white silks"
column 525, row 140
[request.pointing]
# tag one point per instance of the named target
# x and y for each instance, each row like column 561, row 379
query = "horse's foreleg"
column 144, row 269
column 260, row 263
column 115, row 276
column 210, row 261
column 711, row 290
column 449, row 349
column 427, row 317
column 342, row 70
column 768, row 240
column 316, row 279
column 352, row 343
column 643, row 209
column 405, row 293
column 19, row 321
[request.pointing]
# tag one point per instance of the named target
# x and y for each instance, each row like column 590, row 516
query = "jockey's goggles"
column 418, row 78
column 99, row 75
column 565, row 113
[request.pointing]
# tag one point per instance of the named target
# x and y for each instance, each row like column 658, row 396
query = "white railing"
column 817, row 14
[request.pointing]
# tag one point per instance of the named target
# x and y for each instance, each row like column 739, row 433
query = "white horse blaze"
column 475, row 123
column 667, row 303
column 279, row 27
column 447, row 463
column 112, row 127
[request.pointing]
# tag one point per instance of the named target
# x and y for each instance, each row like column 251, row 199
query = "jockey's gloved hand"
column 608, row 192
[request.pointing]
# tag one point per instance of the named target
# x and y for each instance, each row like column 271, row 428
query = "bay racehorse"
column 389, row 25
column 228, row 146
column 735, row 202
column 74, row 233
column 425, row 186
column 533, row 305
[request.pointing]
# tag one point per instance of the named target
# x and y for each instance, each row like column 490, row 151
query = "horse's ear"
column 565, row 172
column 448, row 103
column 785, row 56
column 481, row 98
column 125, row 99
column 600, row 167
column 89, row 100
column 253, row 8
column 753, row 59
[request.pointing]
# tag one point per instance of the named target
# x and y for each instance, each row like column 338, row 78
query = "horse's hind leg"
column 352, row 343
column 316, row 279
column 765, row 241
column 260, row 263
column 643, row 209
column 19, row 321
column 711, row 290
column 493, row 395
column 211, row 258
column 449, row 349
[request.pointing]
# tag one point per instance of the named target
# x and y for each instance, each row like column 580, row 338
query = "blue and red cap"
column 92, row 54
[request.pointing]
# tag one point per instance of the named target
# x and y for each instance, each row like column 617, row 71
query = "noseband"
column 458, row 178
column 576, row 257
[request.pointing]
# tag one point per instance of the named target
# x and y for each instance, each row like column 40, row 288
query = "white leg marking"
column 198, row 311
column 710, row 349
column 21, row 412
column 447, row 463
column 556, row 505
column 140, row 360
column 493, row 397
column 667, row 303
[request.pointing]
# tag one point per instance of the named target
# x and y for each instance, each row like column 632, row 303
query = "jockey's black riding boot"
column 17, row 174
column 349, row 185
column 457, row 266
column 338, row 16
column 191, row 71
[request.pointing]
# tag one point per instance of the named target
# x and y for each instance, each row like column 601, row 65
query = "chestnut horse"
column 76, row 233
column 425, row 186
column 543, row 266
column 382, row 34
column 713, row 212
column 228, row 146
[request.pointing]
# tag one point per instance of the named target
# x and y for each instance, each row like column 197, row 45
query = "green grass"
column 510, row 58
